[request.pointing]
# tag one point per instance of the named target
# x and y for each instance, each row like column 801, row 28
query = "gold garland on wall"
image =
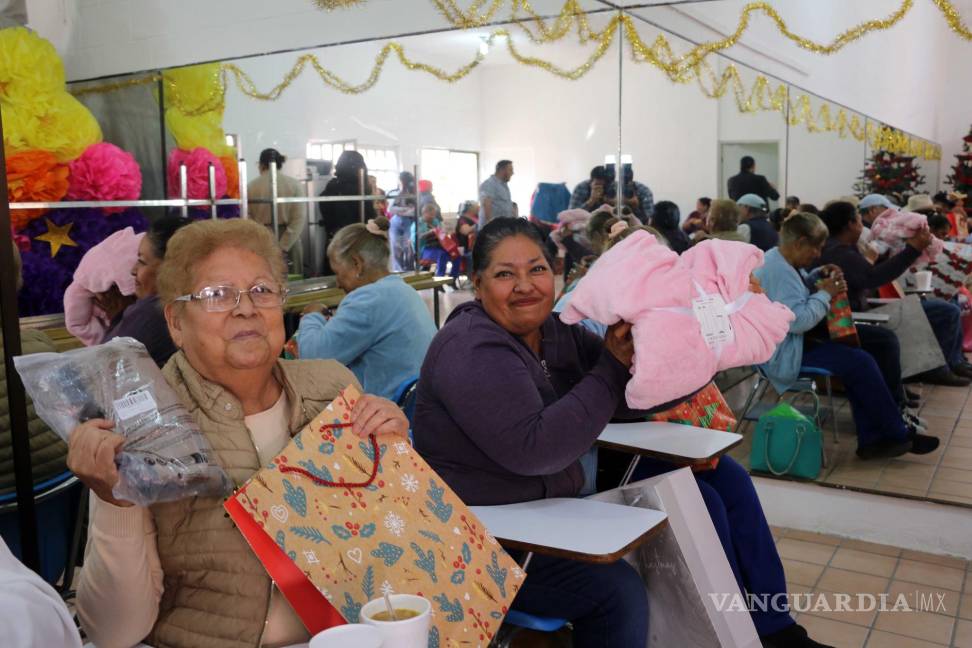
column 685, row 68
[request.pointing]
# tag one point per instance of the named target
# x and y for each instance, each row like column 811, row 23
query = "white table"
column 579, row 529
column 882, row 301
column 871, row 318
column 674, row 442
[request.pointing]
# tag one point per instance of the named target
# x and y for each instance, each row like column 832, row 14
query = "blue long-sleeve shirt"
column 380, row 332
column 783, row 283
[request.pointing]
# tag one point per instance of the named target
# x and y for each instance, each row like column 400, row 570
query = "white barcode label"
column 711, row 312
column 134, row 404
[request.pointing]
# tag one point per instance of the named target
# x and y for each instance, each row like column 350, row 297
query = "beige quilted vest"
column 217, row 593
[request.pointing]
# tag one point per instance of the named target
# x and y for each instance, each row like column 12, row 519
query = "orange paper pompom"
column 232, row 169
column 34, row 176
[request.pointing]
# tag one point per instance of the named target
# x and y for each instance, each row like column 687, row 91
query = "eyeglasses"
column 218, row 299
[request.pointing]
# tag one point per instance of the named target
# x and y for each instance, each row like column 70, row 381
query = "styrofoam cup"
column 410, row 633
column 923, row 279
column 358, row 635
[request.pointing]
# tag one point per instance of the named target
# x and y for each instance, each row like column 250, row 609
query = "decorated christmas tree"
column 890, row 174
column 961, row 177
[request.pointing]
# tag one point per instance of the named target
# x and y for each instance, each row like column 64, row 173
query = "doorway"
column 766, row 154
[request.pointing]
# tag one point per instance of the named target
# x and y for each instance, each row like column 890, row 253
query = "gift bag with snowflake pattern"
column 363, row 517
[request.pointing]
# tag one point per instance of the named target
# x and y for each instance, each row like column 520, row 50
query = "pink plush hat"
column 107, row 264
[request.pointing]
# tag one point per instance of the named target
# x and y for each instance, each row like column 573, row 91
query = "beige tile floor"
column 944, row 475
column 933, row 586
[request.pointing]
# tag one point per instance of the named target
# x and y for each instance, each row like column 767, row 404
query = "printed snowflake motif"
column 518, row 573
column 394, row 524
column 386, row 588
column 410, row 484
column 402, row 448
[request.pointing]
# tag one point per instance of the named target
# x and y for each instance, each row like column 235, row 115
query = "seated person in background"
column 940, row 226
column 179, row 573
column 592, row 193
column 32, row 614
column 844, row 224
column 665, row 219
column 792, row 203
column 881, row 431
column 724, row 222
column 102, row 287
column 382, row 328
column 430, row 250
column 559, row 386
column 921, row 204
column 752, row 213
column 467, row 223
column 144, row 320
column 950, row 206
column 871, row 206
column 696, row 220
column 636, row 196
column 47, row 451
column 777, row 216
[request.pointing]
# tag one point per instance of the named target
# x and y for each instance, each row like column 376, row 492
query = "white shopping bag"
column 685, row 569
column 920, row 351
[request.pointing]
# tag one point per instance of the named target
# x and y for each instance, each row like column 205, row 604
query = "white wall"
column 908, row 76
column 101, row 37
column 822, row 166
column 405, row 109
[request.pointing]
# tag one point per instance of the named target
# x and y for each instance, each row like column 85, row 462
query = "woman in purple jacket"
column 503, row 414
column 510, row 398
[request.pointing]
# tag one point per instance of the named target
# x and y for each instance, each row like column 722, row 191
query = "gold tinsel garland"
column 685, row 68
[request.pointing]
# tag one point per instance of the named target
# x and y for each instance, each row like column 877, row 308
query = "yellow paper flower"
column 57, row 123
column 29, row 64
column 193, row 89
column 204, row 131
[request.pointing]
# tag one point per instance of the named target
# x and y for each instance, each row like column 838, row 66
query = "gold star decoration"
column 56, row 235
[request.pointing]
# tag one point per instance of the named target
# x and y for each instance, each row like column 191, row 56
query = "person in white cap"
column 922, row 204
column 872, row 206
column 752, row 213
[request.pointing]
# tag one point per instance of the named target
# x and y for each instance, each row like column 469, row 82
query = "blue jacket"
column 783, row 283
column 380, row 332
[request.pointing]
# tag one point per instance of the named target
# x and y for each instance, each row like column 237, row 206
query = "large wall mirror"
column 826, row 148
column 559, row 111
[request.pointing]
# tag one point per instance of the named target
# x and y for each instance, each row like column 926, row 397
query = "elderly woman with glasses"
column 179, row 574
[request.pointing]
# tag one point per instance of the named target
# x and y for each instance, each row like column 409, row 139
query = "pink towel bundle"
column 645, row 283
column 575, row 219
column 892, row 227
column 107, row 264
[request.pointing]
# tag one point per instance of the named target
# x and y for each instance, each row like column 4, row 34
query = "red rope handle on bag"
column 323, row 482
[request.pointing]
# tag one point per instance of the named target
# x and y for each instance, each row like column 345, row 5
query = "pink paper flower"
column 105, row 172
column 197, row 164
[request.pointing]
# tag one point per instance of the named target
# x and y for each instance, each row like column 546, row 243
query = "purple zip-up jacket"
column 501, row 425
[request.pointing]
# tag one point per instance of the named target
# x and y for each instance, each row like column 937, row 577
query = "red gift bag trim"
column 340, row 484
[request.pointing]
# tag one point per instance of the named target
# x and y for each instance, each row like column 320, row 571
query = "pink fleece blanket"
column 643, row 282
column 892, row 227
column 105, row 265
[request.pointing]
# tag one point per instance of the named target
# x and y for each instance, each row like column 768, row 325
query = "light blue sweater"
column 380, row 332
column 782, row 283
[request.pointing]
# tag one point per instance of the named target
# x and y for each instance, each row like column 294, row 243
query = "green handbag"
column 787, row 443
